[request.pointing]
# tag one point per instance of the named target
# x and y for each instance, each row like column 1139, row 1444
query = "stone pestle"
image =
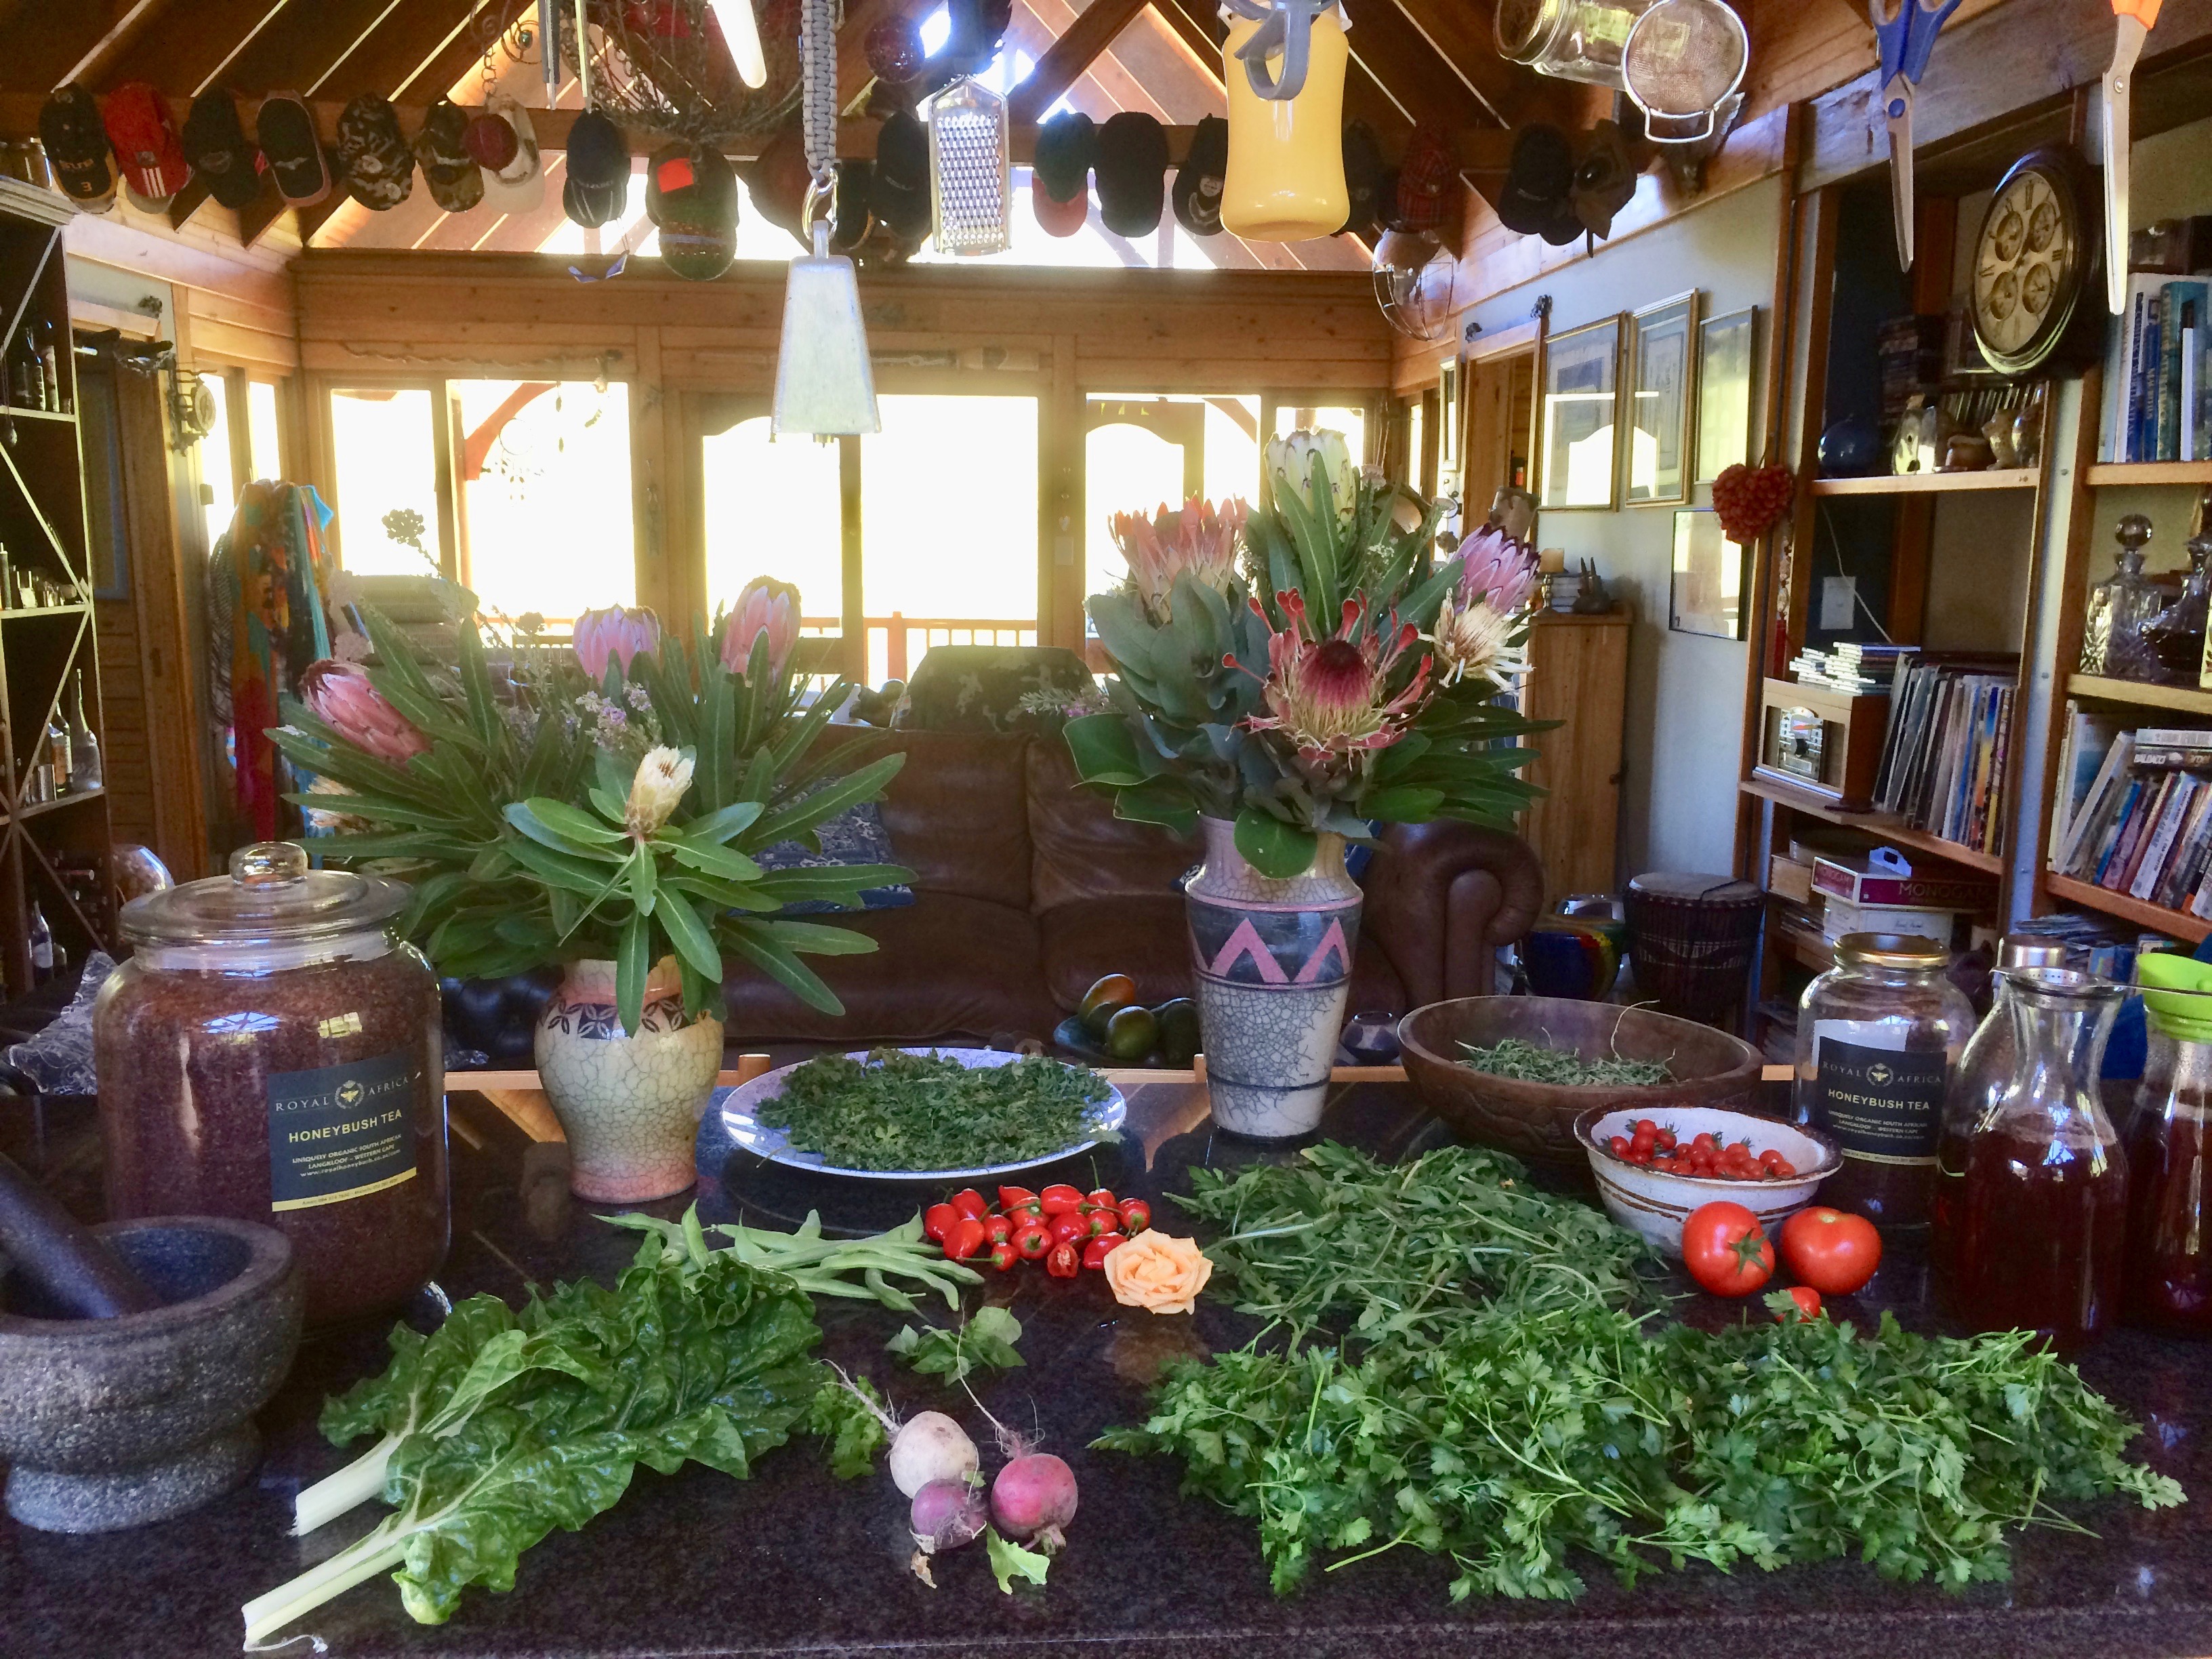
column 59, row 1258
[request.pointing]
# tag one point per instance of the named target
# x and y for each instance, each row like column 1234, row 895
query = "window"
column 384, row 471
column 219, row 480
column 263, row 430
column 1351, row 421
column 771, row 509
column 1142, row 454
column 545, row 521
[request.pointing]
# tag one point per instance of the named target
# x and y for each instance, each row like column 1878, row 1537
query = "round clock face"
column 2027, row 265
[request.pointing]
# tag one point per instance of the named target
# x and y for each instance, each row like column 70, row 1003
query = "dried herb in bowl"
column 898, row 1111
column 1534, row 1062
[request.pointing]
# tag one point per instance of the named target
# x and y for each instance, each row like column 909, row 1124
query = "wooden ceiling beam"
column 1068, row 56
column 1384, row 41
column 198, row 46
column 92, row 68
column 1461, row 36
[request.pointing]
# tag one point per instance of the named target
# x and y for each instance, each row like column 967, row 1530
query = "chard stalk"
column 351, row 1487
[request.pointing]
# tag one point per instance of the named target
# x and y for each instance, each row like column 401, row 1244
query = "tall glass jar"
column 2119, row 608
column 1878, row 1036
column 2035, row 1240
column 2168, row 1282
column 272, row 1052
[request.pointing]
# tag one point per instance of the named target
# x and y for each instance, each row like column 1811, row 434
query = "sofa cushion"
column 1148, row 939
column 945, row 965
column 1082, row 851
column 956, row 811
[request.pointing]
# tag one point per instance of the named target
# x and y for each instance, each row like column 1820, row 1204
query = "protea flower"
column 1201, row 539
column 767, row 606
column 662, row 777
column 1495, row 568
column 342, row 697
column 1330, row 695
column 1291, row 467
column 1472, row 637
column 617, row 633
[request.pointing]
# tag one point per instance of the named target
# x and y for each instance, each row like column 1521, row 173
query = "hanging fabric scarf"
column 271, row 569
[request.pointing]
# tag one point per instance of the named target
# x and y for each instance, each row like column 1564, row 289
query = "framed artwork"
column 1447, row 426
column 1704, row 591
column 1663, row 369
column 1581, row 416
column 1724, row 345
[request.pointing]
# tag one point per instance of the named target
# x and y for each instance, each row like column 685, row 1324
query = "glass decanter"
column 2036, row 1238
column 2120, row 606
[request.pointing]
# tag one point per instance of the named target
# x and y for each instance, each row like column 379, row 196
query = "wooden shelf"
column 2112, row 475
column 76, row 610
column 2155, row 917
column 1883, row 825
column 20, row 412
column 2186, row 698
column 37, row 808
column 1930, row 484
column 1802, row 946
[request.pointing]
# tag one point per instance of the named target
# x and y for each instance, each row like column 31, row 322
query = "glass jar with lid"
column 1878, row 1038
column 2167, row 1284
column 272, row 1052
column 1572, row 39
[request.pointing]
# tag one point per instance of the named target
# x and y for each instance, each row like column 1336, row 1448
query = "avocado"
column 1130, row 1033
column 1177, row 1019
column 1114, row 991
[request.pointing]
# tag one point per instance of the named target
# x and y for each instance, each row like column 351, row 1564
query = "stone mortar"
column 115, row 1423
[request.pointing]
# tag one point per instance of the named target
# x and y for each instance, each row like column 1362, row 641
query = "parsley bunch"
column 1476, row 1369
column 908, row 1111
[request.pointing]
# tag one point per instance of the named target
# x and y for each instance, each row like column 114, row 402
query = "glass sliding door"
column 1141, row 453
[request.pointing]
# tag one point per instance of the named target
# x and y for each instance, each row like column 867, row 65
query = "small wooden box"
column 1788, row 878
column 1817, row 739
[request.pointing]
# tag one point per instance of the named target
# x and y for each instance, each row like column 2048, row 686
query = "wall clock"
column 2035, row 257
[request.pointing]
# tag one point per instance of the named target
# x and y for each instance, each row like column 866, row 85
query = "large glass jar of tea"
column 1877, row 1037
column 2035, row 1239
column 271, row 1052
column 2168, row 1282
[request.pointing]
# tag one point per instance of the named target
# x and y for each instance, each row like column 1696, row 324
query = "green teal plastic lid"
column 2176, row 990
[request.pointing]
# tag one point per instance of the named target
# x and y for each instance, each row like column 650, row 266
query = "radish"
column 930, row 1447
column 947, row 1514
column 1034, row 1499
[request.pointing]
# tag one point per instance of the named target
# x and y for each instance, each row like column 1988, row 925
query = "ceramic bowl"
column 1654, row 1204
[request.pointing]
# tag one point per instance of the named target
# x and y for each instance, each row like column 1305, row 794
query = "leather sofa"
column 1028, row 889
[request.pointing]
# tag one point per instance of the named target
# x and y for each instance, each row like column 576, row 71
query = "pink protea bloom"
column 1495, row 568
column 1200, row 539
column 342, row 697
column 767, row 606
column 614, row 634
column 1330, row 693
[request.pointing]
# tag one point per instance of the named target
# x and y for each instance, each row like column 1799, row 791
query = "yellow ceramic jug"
column 1286, row 177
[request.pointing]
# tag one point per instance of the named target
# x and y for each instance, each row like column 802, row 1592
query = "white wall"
column 1685, row 690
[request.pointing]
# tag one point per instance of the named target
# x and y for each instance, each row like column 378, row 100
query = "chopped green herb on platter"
column 987, row 1340
column 1535, row 1062
column 906, row 1111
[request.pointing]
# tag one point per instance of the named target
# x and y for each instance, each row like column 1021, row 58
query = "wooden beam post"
column 1066, row 57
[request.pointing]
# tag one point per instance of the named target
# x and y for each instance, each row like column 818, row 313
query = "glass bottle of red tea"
column 2037, row 1236
column 2168, row 1283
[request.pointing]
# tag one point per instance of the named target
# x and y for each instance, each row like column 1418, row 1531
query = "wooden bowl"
column 1536, row 1120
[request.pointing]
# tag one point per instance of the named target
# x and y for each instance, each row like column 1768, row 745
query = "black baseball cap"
column 442, row 148
column 286, row 131
column 598, row 189
column 1200, row 179
column 219, row 152
column 1132, row 165
column 378, row 167
column 691, row 195
column 76, row 142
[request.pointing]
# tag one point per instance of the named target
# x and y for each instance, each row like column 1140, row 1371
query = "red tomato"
column 1833, row 1252
column 937, row 1221
column 1807, row 1301
column 1617, row 1144
column 1095, row 1252
column 1012, row 1198
column 1067, row 1227
column 1059, row 1197
column 1100, row 1198
column 1063, row 1262
column 1004, row 1256
column 966, row 1239
column 1725, row 1250
column 1136, row 1216
column 998, row 1229
column 969, row 1201
column 1664, row 1140
column 1782, row 1169
column 1032, row 1243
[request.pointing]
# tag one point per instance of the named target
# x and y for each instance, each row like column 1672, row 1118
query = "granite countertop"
column 792, row 1562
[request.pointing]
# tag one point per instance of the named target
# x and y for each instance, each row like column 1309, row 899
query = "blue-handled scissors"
column 1905, row 39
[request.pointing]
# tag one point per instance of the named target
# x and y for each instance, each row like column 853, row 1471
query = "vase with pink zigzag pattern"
column 1273, row 962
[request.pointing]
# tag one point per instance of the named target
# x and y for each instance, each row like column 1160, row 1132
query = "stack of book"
column 2155, row 379
column 1944, row 756
column 2142, row 825
column 1849, row 667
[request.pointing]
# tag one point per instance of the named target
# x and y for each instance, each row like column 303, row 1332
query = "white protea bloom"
column 1471, row 638
column 662, row 777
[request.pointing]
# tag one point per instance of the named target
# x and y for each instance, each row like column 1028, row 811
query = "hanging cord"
column 817, row 50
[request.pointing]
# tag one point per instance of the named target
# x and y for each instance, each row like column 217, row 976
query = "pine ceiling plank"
column 45, row 40
column 190, row 45
column 1090, row 33
column 1365, row 100
column 1462, row 36
column 1385, row 42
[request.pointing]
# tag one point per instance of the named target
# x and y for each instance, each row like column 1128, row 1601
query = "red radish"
column 1033, row 1499
column 946, row 1514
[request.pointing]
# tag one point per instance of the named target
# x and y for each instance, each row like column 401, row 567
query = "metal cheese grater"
column 969, row 174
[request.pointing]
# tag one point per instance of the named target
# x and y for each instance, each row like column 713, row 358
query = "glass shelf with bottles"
column 68, row 756
column 31, row 378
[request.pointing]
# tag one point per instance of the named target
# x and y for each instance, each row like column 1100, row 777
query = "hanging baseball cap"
column 489, row 139
column 1604, row 178
column 519, row 186
column 372, row 157
column 777, row 180
column 691, row 195
column 1059, row 173
column 1200, row 179
column 1538, row 178
column 598, row 190
column 76, row 142
column 285, row 128
column 441, row 147
column 1370, row 186
column 1426, row 173
column 219, row 153
column 147, row 150
column 1132, row 164
column 852, row 222
column 899, row 194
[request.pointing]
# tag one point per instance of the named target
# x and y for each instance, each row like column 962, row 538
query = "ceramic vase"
column 1273, row 962
column 630, row 1105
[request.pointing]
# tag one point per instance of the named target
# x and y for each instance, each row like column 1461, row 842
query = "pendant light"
column 741, row 34
column 824, row 385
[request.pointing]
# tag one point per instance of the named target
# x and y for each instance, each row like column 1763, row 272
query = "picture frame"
column 1447, row 427
column 1705, row 586
column 1725, row 345
column 1580, row 418
column 1656, row 459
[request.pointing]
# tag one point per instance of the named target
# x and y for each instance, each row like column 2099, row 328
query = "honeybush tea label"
column 340, row 1132
column 1880, row 1105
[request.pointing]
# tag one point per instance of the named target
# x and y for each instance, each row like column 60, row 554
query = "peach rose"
column 1154, row 1270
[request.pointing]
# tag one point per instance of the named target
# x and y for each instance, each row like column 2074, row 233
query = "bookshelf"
column 1933, row 484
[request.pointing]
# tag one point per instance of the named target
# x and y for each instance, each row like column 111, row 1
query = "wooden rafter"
column 197, row 43
column 1067, row 57
column 1384, row 42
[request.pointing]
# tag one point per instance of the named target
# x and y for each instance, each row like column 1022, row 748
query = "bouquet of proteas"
column 601, row 801
column 1340, row 678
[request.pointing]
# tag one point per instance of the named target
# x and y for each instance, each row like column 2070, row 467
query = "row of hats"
column 1128, row 156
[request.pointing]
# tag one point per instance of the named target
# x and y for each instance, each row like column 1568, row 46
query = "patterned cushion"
column 855, row 836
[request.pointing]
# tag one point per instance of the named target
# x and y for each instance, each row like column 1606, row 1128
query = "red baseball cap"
column 1058, row 218
column 147, row 148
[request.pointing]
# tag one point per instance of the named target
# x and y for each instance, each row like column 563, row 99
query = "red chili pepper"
column 1004, row 1256
column 1059, row 1197
column 1063, row 1262
column 1101, row 1222
column 966, row 1239
column 1022, row 1214
column 1032, row 1243
column 936, row 1222
column 969, row 1201
column 1136, row 1216
column 1102, row 1198
column 1012, row 1198
column 1068, row 1227
column 998, row 1229
column 1095, row 1252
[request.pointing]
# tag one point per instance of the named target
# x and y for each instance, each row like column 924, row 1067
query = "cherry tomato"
column 1664, row 1140
column 969, row 1201
column 1832, row 1251
column 937, row 1221
column 1032, row 1243
column 1784, row 1169
column 1807, row 1301
column 1005, row 1256
column 966, row 1239
column 1067, row 1227
column 1012, row 1198
column 1059, row 1197
column 1095, row 1252
column 1136, row 1216
column 998, row 1229
column 1100, row 1198
column 1617, row 1144
column 1725, row 1250
column 1064, row 1261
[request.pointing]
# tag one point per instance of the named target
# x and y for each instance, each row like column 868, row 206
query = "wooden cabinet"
column 1579, row 676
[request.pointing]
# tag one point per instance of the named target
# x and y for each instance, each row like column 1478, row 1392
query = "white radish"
column 930, row 1447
